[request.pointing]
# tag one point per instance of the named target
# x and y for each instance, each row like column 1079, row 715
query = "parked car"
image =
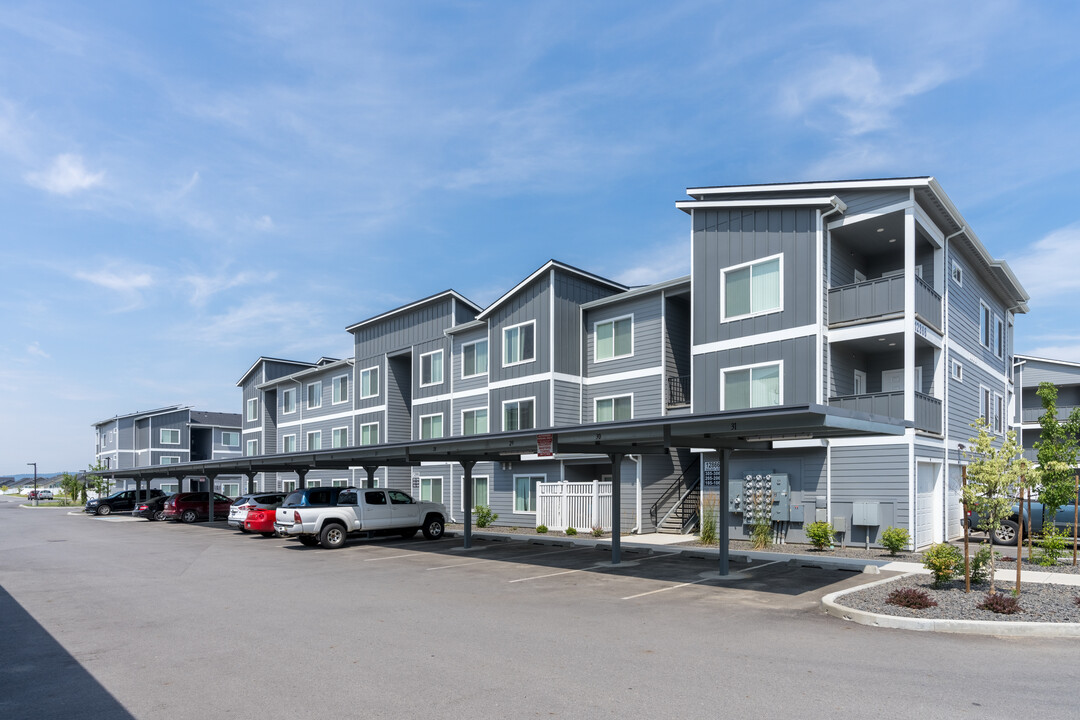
column 153, row 509
column 39, row 494
column 261, row 520
column 190, row 507
column 1006, row 532
column 327, row 520
column 118, row 501
column 244, row 504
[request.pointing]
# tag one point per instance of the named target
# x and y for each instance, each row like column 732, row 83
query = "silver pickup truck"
column 326, row 516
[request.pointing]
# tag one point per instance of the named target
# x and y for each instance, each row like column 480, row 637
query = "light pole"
column 35, row 482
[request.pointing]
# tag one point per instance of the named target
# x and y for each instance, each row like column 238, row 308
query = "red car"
column 261, row 520
column 189, row 507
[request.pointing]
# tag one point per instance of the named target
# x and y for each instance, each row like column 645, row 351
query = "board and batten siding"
column 404, row 330
column 798, row 377
column 572, row 291
column 531, row 303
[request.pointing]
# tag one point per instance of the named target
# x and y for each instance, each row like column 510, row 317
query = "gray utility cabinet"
column 761, row 497
column 866, row 513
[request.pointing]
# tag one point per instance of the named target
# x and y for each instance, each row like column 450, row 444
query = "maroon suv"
column 189, row 507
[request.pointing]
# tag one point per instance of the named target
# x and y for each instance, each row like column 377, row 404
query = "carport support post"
column 467, row 499
column 179, row 484
column 301, row 473
column 616, row 507
column 370, row 470
column 251, row 482
column 721, row 515
column 210, row 488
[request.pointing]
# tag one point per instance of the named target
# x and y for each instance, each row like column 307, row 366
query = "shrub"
column 484, row 516
column 571, row 531
column 1051, row 547
column 710, row 512
column 895, row 539
column 980, row 565
column 761, row 535
column 1000, row 604
column 820, row 534
column 541, row 529
column 597, row 531
column 944, row 562
column 910, row 598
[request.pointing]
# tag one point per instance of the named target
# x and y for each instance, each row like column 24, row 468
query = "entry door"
column 893, row 380
column 860, row 383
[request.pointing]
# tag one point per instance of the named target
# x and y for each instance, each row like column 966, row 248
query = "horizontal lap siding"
column 647, row 349
column 865, row 201
column 878, row 473
column 965, row 309
column 677, row 342
column 472, row 402
column 658, row 473
column 459, row 341
column 424, row 348
column 571, row 291
column 568, row 401
column 799, row 371
column 1036, row 372
column 646, row 392
column 502, row 490
column 964, row 398
column 441, row 407
column 806, row 476
column 538, row 391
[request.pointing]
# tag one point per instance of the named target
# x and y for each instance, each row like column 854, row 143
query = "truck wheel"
column 433, row 527
column 309, row 540
column 103, row 509
column 406, row 534
column 332, row 536
column 1006, row 533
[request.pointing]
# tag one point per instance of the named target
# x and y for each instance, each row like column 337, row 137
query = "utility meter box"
column 735, row 497
column 866, row 513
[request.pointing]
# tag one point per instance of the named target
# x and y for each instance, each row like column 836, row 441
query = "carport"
column 720, row 432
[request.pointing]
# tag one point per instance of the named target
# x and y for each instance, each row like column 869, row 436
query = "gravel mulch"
column 1039, row 602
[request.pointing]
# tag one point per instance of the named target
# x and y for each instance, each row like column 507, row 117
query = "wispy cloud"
column 66, row 174
column 204, row 287
column 126, row 280
column 661, row 262
column 34, row 349
column 1047, row 268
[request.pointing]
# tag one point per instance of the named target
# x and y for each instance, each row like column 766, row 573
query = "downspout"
column 636, row 530
column 948, row 368
column 828, row 482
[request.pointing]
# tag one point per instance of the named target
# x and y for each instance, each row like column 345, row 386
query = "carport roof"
column 751, row 429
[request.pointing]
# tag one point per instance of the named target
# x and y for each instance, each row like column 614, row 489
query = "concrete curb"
column 1006, row 628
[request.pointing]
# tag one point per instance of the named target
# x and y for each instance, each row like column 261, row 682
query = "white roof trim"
column 638, row 292
column 1033, row 358
column 768, row 202
column 423, row 301
column 270, row 359
column 147, row 413
column 539, row 272
column 787, row 187
column 307, row 371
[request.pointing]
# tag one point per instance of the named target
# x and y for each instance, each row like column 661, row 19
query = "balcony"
column 1033, row 414
column 928, row 304
column 882, row 298
column 891, row 404
column 678, row 391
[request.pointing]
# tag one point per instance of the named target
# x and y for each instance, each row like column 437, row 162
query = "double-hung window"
column 340, row 390
column 431, row 489
column 252, row 409
column 314, row 395
column 431, row 368
column 986, row 404
column 614, row 338
column 339, row 437
column 518, row 415
column 999, row 414
column 480, row 492
column 525, row 492
column 170, row 460
column 474, row 422
column 986, row 328
column 752, row 387
column 170, row 436
column 288, row 401
column 431, row 426
column 288, row 443
column 369, row 382
column 230, row 439
column 314, row 440
column 474, row 359
column 369, row 434
column 519, row 343
column 252, row 448
column 999, row 337
column 753, row 288
column 615, row 408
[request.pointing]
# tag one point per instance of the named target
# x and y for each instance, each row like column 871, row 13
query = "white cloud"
column 1047, row 268
column 34, row 348
column 660, row 263
column 125, row 280
column 65, row 176
column 204, row 287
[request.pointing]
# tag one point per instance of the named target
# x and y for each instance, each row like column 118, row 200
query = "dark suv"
column 119, row 501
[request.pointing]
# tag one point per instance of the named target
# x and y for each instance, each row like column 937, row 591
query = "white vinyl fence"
column 580, row 505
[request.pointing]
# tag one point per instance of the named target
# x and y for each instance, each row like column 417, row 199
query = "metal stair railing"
column 674, row 491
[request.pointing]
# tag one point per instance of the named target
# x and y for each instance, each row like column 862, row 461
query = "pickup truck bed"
column 327, row 516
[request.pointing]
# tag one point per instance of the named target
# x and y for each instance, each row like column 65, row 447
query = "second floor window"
column 614, row 339
column 288, row 400
column 614, row 408
column 474, row 422
column 431, row 368
column 314, row 395
column 252, row 447
column 288, row 444
column 519, row 343
column 986, row 327
column 252, row 409
column 369, row 382
column 753, row 288
column 752, row 387
column 431, row 426
column 230, row 439
column 518, row 415
column 170, row 436
column 314, row 440
column 474, row 359
column 369, row 434
column 340, row 437
column 340, row 389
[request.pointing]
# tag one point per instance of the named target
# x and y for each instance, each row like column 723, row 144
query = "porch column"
column 467, row 499
column 616, row 507
column 301, row 474
column 370, row 470
column 210, row 489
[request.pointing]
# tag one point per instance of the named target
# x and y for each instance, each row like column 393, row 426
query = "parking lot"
column 128, row 618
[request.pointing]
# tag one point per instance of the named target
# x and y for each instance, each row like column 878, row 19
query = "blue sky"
column 185, row 187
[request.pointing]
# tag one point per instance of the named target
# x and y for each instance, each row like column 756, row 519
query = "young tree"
column 994, row 478
column 1057, row 448
column 71, row 485
column 96, row 482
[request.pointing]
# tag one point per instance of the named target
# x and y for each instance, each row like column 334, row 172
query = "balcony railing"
column 927, row 304
column 891, row 404
column 866, row 300
column 678, row 391
column 1032, row 415
column 928, row 413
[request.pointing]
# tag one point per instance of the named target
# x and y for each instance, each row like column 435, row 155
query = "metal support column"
column 370, row 470
column 179, row 483
column 301, row 473
column 616, row 507
column 723, row 531
column 251, row 481
column 467, row 499
column 210, row 497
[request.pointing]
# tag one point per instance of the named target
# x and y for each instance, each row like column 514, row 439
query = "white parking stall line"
column 538, row 577
column 758, row 567
column 664, row 589
column 445, row 567
column 389, row 557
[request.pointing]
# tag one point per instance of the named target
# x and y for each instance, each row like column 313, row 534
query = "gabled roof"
column 681, row 282
column 570, row 269
column 270, row 359
column 305, row 372
column 216, row 419
column 1051, row 361
column 413, row 305
column 143, row 413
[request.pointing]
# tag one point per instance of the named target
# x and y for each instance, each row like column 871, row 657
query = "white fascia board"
column 539, row 273
column 240, row 382
column 423, row 301
column 638, row 292
column 687, row 205
column 866, row 330
column 1033, row 358
column 304, row 373
column 148, row 413
column 879, row 184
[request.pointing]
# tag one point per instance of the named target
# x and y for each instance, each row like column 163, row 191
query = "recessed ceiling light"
column 881, row 229
column 881, row 339
column 892, row 239
column 892, row 344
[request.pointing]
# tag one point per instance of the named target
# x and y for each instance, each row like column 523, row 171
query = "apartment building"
column 1030, row 372
column 169, row 436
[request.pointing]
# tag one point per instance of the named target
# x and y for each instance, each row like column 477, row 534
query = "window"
column 288, row 443
column 288, row 401
column 752, row 288
column 230, row 439
column 480, row 492
column 339, row 437
column 252, row 448
column 518, row 415
column 288, row 486
column 170, row 436
column 518, row 343
column 369, row 382
column 525, row 492
column 474, row 359
column 431, row 489
column 230, row 489
column 315, row 484
column 957, row 273
column 170, row 459
column 615, row 408
column 369, row 434
column 474, row 422
column 339, row 483
column 956, row 370
column 986, row 401
column 999, row 337
column 314, row 395
column 170, row 488
column 751, row 387
column 431, row 366
column 339, row 390
column 999, row 414
column 431, row 426
column 614, row 339
column 314, row 440
column 986, row 332
column 252, row 409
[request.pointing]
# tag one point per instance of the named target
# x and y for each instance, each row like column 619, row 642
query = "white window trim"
column 334, row 384
column 314, row 483
column 613, row 398
column 226, row 485
column 502, row 415
column 957, row 274
column 368, row 371
column 230, row 432
column 479, row 374
column 307, row 439
column 360, row 438
column 723, row 383
column 289, row 486
column 513, row 498
column 161, row 436
column 986, row 398
column 461, row 495
column 998, row 339
column 247, row 448
column 170, row 488
column 596, row 341
column 334, row 430
column 169, row 460
column 307, row 395
column 284, row 438
column 997, row 425
column 956, row 371
column 420, row 426
column 429, row 478
column 723, row 289
column 985, row 313
column 856, row 375
column 442, row 374
column 472, row 410
column 252, row 410
column 339, row 482
column 295, row 406
column 502, row 354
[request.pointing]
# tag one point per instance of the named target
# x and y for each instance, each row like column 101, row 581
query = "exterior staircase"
column 676, row 510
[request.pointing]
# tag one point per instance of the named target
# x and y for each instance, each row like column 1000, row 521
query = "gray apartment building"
column 874, row 296
column 169, row 436
column 1030, row 372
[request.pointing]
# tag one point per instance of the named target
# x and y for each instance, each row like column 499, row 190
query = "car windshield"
column 294, row 500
